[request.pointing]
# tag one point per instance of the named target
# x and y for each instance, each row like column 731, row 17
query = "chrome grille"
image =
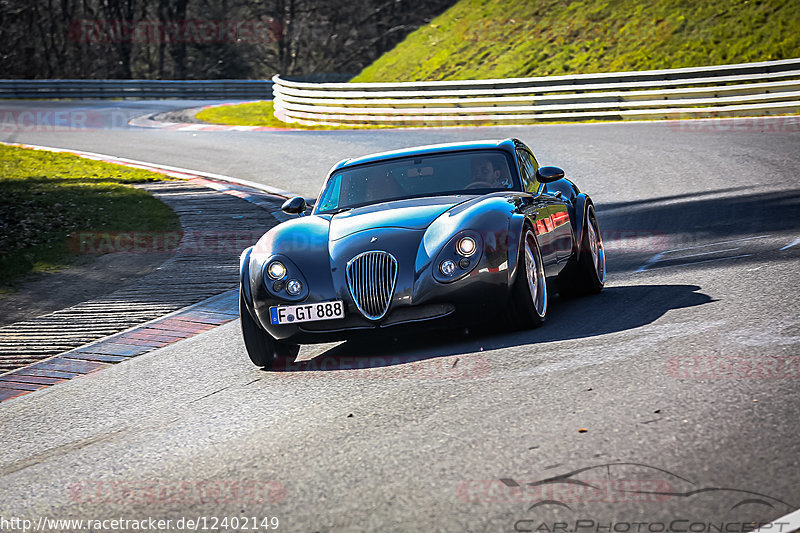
column 371, row 277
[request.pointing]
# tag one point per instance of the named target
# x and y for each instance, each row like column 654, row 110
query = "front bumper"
column 473, row 300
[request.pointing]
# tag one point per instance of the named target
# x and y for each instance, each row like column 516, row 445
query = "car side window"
column 523, row 172
column 528, row 168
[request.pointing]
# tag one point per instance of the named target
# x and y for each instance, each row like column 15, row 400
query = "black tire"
column 263, row 349
column 587, row 275
column 528, row 306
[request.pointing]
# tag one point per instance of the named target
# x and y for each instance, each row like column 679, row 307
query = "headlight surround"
column 459, row 256
column 276, row 270
column 466, row 246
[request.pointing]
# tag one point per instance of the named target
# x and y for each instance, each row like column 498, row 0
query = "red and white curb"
column 171, row 328
column 157, row 333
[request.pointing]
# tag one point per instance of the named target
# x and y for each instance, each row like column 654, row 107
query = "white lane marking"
column 708, row 253
column 784, row 524
column 650, row 261
column 717, row 243
column 774, row 333
column 660, row 255
column 794, row 243
column 703, row 261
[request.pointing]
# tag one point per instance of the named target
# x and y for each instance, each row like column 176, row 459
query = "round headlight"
column 276, row 270
column 447, row 267
column 294, row 287
column 466, row 246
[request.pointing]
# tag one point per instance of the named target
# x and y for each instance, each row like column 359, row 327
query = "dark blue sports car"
column 434, row 236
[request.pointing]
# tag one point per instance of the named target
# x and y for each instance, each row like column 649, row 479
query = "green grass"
column 45, row 196
column 482, row 39
column 249, row 114
column 254, row 114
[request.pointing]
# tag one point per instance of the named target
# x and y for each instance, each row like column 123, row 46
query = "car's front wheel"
column 529, row 293
column 263, row 350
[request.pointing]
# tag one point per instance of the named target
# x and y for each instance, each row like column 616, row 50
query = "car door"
column 538, row 209
column 552, row 219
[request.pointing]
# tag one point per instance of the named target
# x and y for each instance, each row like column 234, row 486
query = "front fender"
column 244, row 277
column 302, row 244
column 515, row 227
column 490, row 216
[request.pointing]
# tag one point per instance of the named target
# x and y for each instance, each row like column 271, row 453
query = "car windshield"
column 474, row 172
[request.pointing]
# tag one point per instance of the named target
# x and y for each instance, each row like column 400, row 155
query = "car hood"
column 415, row 213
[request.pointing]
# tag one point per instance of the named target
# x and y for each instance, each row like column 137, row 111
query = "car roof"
column 505, row 144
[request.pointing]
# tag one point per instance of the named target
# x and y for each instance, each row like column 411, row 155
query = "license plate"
column 289, row 314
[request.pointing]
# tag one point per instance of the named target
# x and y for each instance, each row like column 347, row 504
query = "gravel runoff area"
column 218, row 220
column 185, row 116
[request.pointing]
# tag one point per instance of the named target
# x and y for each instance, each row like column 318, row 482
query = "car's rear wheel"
column 587, row 275
column 263, row 350
column 529, row 293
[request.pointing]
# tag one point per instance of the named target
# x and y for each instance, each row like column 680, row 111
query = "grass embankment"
column 481, row 39
column 45, row 196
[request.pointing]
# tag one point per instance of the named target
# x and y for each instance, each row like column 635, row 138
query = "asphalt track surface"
column 684, row 368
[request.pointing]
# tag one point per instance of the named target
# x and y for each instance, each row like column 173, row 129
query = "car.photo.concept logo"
column 625, row 498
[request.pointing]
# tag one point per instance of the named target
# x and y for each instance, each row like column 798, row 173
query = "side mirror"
column 294, row 206
column 549, row 174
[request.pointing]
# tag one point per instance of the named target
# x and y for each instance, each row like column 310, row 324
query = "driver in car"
column 380, row 188
column 487, row 173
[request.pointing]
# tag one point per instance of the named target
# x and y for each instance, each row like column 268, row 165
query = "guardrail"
column 770, row 87
column 195, row 89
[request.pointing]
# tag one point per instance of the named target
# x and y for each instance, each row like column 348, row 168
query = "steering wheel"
column 480, row 185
